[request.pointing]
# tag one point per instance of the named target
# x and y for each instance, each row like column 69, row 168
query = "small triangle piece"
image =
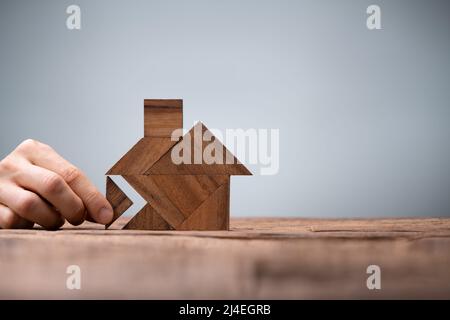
column 117, row 198
column 147, row 219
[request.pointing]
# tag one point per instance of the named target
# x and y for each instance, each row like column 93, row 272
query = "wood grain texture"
column 259, row 258
column 142, row 156
column 188, row 192
column 117, row 198
column 152, row 193
column 165, row 165
column 174, row 192
column 162, row 117
column 175, row 198
column 147, row 219
column 213, row 213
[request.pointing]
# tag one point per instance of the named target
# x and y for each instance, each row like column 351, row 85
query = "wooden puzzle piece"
column 175, row 198
column 150, row 191
column 142, row 156
column 165, row 164
column 162, row 117
column 213, row 213
column 187, row 192
column 118, row 199
column 147, row 219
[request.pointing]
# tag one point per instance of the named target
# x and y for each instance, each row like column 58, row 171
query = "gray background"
column 363, row 115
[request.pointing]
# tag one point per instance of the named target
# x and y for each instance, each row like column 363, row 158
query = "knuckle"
column 27, row 145
column 11, row 163
column 26, row 203
column 53, row 183
column 29, row 142
column 70, row 174
column 6, row 165
column 31, row 145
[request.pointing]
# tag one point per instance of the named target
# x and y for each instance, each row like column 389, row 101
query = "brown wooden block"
column 176, row 197
column 147, row 219
column 162, row 117
column 142, row 156
column 212, row 214
column 150, row 191
column 187, row 192
column 117, row 198
column 165, row 164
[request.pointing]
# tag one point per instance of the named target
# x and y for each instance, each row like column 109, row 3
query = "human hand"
column 38, row 186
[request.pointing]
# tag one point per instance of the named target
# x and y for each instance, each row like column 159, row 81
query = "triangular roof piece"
column 142, row 156
column 230, row 164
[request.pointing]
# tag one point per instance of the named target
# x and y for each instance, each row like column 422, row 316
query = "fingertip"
column 55, row 225
column 79, row 218
column 105, row 215
column 81, row 214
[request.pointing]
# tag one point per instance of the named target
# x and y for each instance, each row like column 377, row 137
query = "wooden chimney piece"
column 162, row 117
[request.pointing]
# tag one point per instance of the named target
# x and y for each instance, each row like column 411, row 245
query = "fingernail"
column 105, row 215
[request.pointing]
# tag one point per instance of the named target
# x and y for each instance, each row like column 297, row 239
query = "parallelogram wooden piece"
column 142, row 156
column 117, row 198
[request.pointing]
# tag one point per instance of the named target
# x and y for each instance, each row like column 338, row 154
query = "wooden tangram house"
column 191, row 195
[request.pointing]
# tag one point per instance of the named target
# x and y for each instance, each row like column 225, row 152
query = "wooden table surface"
column 258, row 259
